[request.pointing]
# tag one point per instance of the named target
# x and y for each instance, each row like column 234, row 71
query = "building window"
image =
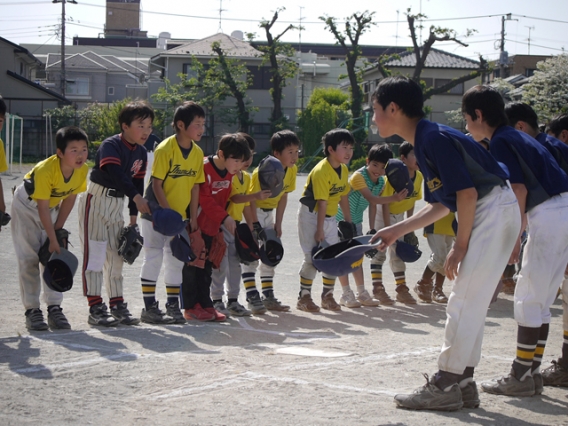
column 111, row 91
column 260, row 78
column 260, row 129
column 529, row 72
column 77, row 86
column 456, row 90
column 189, row 72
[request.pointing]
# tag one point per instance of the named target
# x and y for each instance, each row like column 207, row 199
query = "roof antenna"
column 221, row 10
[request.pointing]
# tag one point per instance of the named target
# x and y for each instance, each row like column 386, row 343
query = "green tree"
column 547, row 90
column 355, row 26
column 64, row 116
column 280, row 56
column 100, row 121
column 421, row 53
column 326, row 109
column 210, row 84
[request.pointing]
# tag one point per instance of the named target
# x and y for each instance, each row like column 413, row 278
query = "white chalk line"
column 256, row 377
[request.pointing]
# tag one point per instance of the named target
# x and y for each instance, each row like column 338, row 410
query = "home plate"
column 294, row 350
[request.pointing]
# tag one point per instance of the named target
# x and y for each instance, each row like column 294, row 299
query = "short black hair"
column 69, row 134
column 335, row 137
column 557, row 124
column 186, row 112
column 250, row 140
column 404, row 92
column 380, row 153
column 405, row 148
column 136, row 110
column 2, row 107
column 282, row 140
column 489, row 101
column 234, row 145
column 518, row 111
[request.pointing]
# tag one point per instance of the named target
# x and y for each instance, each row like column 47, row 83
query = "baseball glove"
column 199, row 249
column 217, row 250
column 411, row 239
column 130, row 243
column 4, row 219
column 371, row 253
column 62, row 236
column 346, row 230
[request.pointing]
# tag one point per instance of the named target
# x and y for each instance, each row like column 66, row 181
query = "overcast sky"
column 36, row 21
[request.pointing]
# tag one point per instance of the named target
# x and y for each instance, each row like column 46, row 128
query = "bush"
column 301, row 161
column 357, row 163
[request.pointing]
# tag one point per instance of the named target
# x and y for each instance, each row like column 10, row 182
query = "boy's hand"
column 399, row 196
column 387, row 235
column 193, row 224
column 319, row 236
column 54, row 246
column 278, row 229
column 516, row 251
column 142, row 204
column 455, row 256
column 230, row 224
column 263, row 195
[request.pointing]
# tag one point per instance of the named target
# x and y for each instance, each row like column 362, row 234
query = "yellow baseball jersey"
column 445, row 226
column 408, row 202
column 3, row 164
column 238, row 187
column 46, row 182
column 327, row 184
column 178, row 174
column 289, row 186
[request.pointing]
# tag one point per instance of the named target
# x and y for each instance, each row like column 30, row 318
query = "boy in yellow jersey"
column 3, row 164
column 176, row 174
column 230, row 268
column 41, row 206
column 391, row 214
column 269, row 213
column 326, row 189
column 441, row 236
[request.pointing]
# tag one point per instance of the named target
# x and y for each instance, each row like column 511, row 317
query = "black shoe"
column 123, row 315
column 56, row 319
column 34, row 320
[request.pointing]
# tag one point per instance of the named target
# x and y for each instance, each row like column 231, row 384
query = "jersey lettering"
column 136, row 167
column 336, row 189
column 178, row 172
column 434, row 184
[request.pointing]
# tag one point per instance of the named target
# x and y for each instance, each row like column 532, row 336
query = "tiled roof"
column 436, row 59
column 232, row 46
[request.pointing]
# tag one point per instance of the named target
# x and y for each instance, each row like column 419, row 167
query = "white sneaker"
column 348, row 300
column 220, row 307
column 366, row 300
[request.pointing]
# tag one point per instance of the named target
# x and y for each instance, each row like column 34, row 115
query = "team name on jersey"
column 56, row 194
column 177, row 172
column 285, row 188
column 136, row 167
column 434, row 184
column 336, row 189
column 221, row 184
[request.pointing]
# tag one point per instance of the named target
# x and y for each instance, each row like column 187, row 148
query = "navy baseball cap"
column 406, row 252
column 60, row 270
column 181, row 247
column 167, row 222
column 397, row 174
column 344, row 257
column 245, row 244
column 270, row 247
column 271, row 175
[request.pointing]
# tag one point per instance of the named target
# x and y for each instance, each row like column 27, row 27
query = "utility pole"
column 530, row 28
column 503, row 56
column 63, row 77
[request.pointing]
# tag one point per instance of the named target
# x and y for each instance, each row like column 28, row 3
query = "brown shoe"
column 508, row 286
column 381, row 295
column 438, row 296
column 306, row 304
column 329, row 303
column 403, row 295
column 423, row 289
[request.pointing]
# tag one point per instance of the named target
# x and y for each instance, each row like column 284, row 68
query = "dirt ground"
column 276, row 369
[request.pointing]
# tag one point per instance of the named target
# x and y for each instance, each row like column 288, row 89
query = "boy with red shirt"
column 214, row 195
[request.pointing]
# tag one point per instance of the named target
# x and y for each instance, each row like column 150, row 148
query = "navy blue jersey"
column 451, row 162
column 557, row 148
column 507, row 142
column 121, row 165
